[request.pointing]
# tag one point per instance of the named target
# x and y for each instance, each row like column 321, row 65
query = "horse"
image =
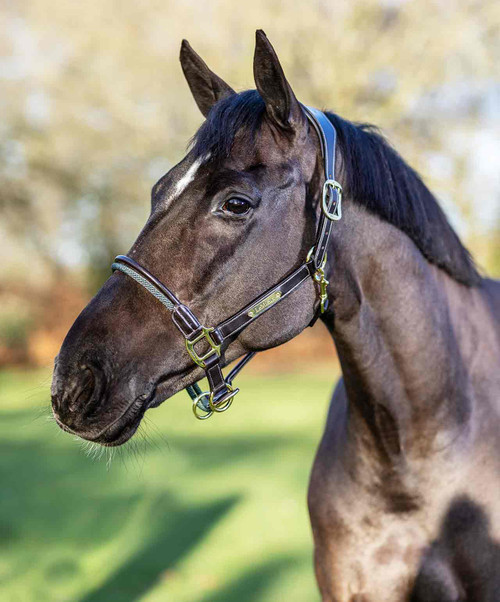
column 404, row 495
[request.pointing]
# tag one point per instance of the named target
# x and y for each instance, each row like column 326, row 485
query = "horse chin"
column 123, row 429
column 118, row 432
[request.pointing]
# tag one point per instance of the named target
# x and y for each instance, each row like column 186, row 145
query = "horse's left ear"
column 206, row 87
column 281, row 105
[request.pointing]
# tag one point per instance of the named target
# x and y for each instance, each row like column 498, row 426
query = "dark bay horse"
column 404, row 496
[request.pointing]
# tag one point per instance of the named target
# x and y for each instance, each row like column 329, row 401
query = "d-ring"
column 225, row 402
column 310, row 254
column 197, row 407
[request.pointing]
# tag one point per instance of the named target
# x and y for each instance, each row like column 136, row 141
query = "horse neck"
column 392, row 320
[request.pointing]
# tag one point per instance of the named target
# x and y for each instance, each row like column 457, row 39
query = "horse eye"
column 236, row 206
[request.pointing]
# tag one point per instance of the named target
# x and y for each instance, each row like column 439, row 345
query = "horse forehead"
column 187, row 176
column 278, row 161
column 268, row 146
column 268, row 149
column 173, row 184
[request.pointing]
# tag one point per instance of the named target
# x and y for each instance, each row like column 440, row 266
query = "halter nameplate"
column 221, row 393
column 264, row 304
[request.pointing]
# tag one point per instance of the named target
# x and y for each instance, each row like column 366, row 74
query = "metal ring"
column 310, row 254
column 197, row 407
column 225, row 402
column 336, row 214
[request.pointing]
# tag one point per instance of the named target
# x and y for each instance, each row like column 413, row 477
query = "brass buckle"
column 214, row 348
column 336, row 214
column 319, row 277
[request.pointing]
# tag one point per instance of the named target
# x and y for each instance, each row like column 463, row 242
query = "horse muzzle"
column 80, row 405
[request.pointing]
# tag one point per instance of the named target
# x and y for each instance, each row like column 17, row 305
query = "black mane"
column 241, row 112
column 376, row 177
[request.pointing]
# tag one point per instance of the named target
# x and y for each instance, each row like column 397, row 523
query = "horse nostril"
column 83, row 393
column 77, row 394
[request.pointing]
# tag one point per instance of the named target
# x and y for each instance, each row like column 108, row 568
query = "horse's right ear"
column 206, row 87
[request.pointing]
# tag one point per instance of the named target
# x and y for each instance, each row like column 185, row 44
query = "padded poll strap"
column 327, row 138
column 328, row 141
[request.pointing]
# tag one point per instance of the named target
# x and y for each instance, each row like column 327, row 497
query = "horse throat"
column 391, row 322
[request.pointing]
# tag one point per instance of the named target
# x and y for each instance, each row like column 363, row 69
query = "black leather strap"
column 218, row 385
column 327, row 138
column 230, row 328
column 186, row 321
column 239, row 367
column 328, row 142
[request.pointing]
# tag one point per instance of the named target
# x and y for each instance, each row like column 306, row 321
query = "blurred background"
column 94, row 109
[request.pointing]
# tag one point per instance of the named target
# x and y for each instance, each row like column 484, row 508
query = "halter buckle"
column 328, row 188
column 214, row 348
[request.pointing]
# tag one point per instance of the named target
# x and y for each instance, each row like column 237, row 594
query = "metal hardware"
column 225, row 402
column 319, row 277
column 328, row 188
column 200, row 409
column 199, row 406
column 264, row 304
column 214, row 348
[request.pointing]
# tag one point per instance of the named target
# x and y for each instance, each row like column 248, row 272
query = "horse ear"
column 281, row 104
column 206, row 87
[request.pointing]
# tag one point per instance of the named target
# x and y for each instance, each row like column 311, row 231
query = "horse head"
column 238, row 213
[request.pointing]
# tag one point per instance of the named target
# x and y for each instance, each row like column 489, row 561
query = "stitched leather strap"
column 230, row 328
column 218, row 385
column 328, row 142
column 327, row 138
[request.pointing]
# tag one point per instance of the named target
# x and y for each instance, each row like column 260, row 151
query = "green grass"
column 201, row 511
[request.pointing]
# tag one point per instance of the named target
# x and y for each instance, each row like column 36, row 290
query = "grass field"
column 190, row 512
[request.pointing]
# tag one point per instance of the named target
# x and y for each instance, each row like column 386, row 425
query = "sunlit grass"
column 187, row 511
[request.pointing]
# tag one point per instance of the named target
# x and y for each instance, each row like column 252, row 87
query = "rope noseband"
column 216, row 339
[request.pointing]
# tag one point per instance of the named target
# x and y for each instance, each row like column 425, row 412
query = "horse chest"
column 438, row 551
column 367, row 557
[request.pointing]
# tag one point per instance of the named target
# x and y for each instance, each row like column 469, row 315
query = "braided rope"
column 144, row 283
